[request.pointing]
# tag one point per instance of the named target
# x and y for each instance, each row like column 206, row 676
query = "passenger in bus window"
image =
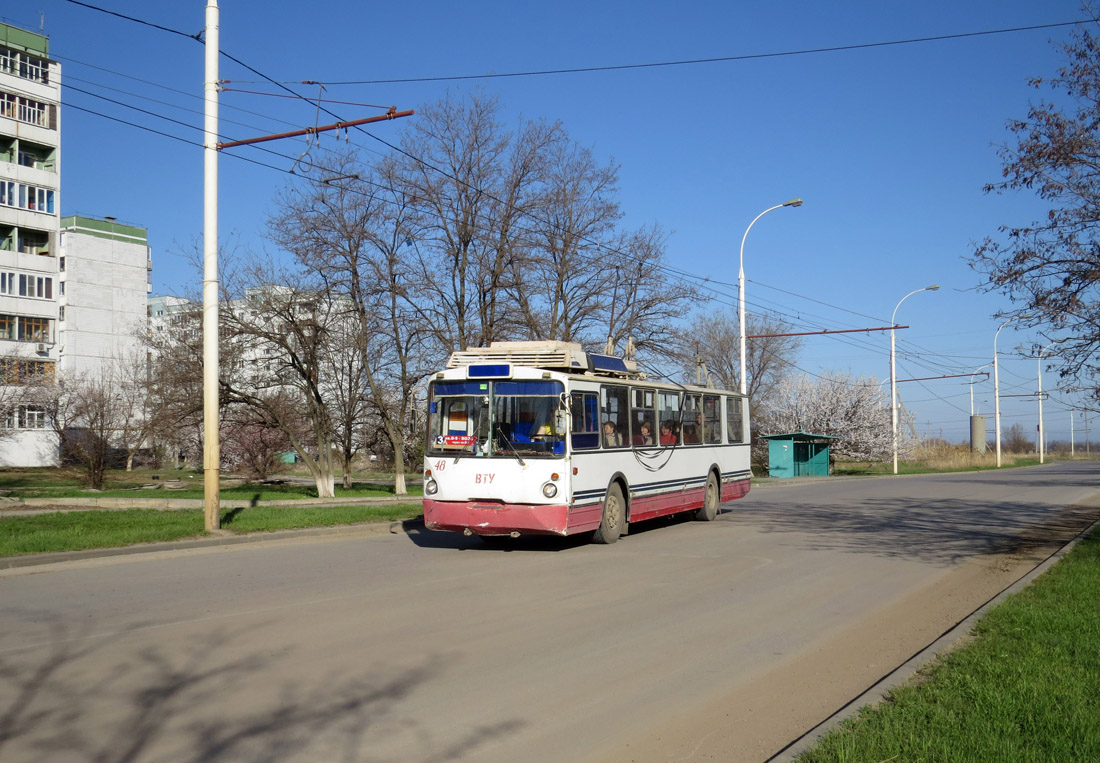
column 645, row 434
column 668, row 437
column 611, row 438
column 693, row 430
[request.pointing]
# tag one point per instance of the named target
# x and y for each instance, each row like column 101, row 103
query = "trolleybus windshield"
column 505, row 418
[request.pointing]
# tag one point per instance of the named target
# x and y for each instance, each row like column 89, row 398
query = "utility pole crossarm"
column 949, row 376
column 391, row 114
column 825, row 331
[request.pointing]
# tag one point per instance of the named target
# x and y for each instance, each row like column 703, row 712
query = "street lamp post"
column 977, row 371
column 893, row 372
column 741, row 286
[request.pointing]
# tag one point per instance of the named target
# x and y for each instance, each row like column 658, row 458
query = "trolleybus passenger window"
column 693, row 420
column 668, row 418
column 642, row 415
column 734, row 426
column 613, row 416
column 712, row 419
column 585, row 412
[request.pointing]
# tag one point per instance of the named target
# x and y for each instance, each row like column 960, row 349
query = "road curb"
column 366, row 528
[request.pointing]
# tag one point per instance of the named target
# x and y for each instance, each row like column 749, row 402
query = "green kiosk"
column 798, row 454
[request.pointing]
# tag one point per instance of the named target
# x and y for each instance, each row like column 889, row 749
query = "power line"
column 720, row 59
column 697, row 281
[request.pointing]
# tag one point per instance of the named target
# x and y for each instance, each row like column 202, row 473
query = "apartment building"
column 104, row 279
column 30, row 182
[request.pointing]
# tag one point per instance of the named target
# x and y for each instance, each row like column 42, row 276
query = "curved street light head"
column 741, row 286
column 933, row 287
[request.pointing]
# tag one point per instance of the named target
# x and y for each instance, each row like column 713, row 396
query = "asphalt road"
column 435, row 647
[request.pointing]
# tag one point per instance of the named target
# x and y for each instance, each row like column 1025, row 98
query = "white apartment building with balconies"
column 103, row 284
column 30, row 186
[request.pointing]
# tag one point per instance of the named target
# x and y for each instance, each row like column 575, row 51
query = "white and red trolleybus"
column 544, row 438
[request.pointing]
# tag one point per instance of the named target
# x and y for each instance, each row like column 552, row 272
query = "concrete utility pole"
column 211, row 454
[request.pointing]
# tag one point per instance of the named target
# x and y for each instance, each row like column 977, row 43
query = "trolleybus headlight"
column 549, row 490
column 431, row 487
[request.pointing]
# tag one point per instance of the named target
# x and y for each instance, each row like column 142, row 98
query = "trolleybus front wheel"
column 614, row 516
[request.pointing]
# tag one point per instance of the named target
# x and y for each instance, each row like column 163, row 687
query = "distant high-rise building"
column 103, row 286
column 30, row 183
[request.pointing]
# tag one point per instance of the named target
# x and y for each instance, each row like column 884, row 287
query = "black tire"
column 711, row 499
column 613, row 521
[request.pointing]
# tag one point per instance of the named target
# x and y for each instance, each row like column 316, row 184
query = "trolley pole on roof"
column 211, row 448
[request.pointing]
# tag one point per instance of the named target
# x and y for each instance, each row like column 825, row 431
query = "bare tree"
column 468, row 181
column 1017, row 441
column 276, row 340
column 1051, row 267
column 714, row 339
column 131, row 379
column 560, row 287
column 85, row 413
column 354, row 236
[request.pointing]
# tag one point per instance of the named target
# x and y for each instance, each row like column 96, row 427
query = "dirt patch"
column 758, row 718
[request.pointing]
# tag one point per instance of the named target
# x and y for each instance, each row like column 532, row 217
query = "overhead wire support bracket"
column 391, row 114
column 949, row 376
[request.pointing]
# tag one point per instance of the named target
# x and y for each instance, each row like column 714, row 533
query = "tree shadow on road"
column 938, row 531
column 76, row 698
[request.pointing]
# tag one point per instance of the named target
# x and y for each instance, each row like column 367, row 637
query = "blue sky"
column 889, row 146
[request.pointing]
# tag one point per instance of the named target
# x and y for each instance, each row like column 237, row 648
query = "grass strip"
column 268, row 518
column 1026, row 689
column 80, row 530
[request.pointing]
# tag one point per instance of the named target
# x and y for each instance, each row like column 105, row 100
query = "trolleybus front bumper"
column 496, row 518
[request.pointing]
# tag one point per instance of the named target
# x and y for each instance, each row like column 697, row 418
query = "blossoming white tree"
column 857, row 410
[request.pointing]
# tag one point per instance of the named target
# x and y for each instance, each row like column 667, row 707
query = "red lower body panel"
column 734, row 490
column 491, row 518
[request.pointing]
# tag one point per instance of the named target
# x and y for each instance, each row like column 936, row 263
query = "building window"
column 26, row 417
column 35, row 286
column 7, row 327
column 26, row 197
column 20, row 64
column 32, row 417
column 7, row 283
column 34, row 329
column 26, row 371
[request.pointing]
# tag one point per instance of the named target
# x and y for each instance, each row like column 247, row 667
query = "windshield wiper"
column 508, row 444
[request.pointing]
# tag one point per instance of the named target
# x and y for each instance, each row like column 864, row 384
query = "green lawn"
column 1026, row 690
column 79, row 530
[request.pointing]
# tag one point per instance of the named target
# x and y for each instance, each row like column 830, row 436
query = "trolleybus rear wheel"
column 614, row 516
column 710, row 500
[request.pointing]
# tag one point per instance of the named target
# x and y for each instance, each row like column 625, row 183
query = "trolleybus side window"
column 615, row 424
column 734, row 427
column 693, row 420
column 712, row 419
column 585, row 412
column 668, row 418
column 643, row 404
